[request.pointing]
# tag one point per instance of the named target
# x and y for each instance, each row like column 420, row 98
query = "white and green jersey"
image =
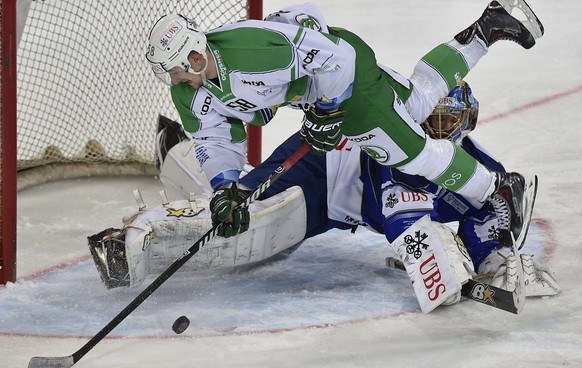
column 267, row 64
column 261, row 66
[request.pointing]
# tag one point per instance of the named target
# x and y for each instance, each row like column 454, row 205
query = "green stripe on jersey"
column 297, row 36
column 270, row 49
column 459, row 171
column 448, row 62
column 237, row 130
column 296, row 89
column 183, row 95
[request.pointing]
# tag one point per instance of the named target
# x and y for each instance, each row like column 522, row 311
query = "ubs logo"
column 170, row 33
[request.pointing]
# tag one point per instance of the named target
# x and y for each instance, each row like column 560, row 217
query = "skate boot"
column 513, row 201
column 108, row 251
column 497, row 23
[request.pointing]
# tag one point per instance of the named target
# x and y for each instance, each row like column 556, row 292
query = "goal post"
column 254, row 132
column 82, row 100
column 8, row 141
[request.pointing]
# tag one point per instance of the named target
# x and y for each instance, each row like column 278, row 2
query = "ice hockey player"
column 245, row 71
column 342, row 189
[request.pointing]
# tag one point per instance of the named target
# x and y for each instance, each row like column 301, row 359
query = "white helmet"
column 171, row 40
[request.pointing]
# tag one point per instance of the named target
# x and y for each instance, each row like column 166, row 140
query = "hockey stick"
column 480, row 292
column 70, row 360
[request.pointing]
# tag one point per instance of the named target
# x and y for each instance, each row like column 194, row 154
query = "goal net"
column 86, row 95
column 86, row 92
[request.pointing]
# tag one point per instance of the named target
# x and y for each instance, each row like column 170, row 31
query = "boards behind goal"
column 86, row 100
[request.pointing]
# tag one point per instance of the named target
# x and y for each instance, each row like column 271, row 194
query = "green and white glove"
column 322, row 130
column 222, row 209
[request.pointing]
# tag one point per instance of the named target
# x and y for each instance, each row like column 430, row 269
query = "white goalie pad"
column 436, row 261
column 181, row 174
column 499, row 269
column 157, row 237
column 539, row 280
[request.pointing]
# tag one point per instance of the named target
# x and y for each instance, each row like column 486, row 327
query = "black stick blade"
column 51, row 362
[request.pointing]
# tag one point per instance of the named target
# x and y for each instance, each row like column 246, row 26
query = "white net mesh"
column 85, row 90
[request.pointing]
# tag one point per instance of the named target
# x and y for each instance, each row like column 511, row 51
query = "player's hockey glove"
column 222, row 209
column 322, row 130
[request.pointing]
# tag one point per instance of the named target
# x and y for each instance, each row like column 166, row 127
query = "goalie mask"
column 455, row 116
column 171, row 40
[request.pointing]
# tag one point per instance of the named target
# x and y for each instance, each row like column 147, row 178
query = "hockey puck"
column 181, row 324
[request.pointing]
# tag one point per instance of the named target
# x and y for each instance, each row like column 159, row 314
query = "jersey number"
column 241, row 105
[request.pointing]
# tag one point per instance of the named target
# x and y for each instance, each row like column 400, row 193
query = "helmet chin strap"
column 202, row 72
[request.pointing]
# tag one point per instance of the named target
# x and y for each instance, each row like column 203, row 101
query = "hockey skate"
column 108, row 251
column 513, row 201
column 497, row 23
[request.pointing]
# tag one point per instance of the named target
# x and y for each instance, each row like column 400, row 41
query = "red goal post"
column 8, row 141
column 78, row 97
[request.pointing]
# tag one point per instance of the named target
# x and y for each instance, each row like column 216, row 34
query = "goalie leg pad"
column 157, row 237
column 181, row 174
column 500, row 269
column 539, row 280
column 436, row 261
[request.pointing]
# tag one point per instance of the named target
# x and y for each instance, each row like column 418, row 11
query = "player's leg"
column 309, row 173
column 377, row 120
column 497, row 23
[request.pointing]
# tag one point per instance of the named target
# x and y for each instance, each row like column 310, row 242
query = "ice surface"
column 332, row 303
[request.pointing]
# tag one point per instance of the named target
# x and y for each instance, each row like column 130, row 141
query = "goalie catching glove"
column 222, row 209
column 322, row 131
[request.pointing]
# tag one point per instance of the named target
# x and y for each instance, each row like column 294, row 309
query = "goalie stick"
column 70, row 360
column 484, row 293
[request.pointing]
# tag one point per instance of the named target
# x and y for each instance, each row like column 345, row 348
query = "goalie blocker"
column 436, row 261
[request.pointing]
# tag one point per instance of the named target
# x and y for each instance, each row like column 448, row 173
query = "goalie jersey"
column 348, row 188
